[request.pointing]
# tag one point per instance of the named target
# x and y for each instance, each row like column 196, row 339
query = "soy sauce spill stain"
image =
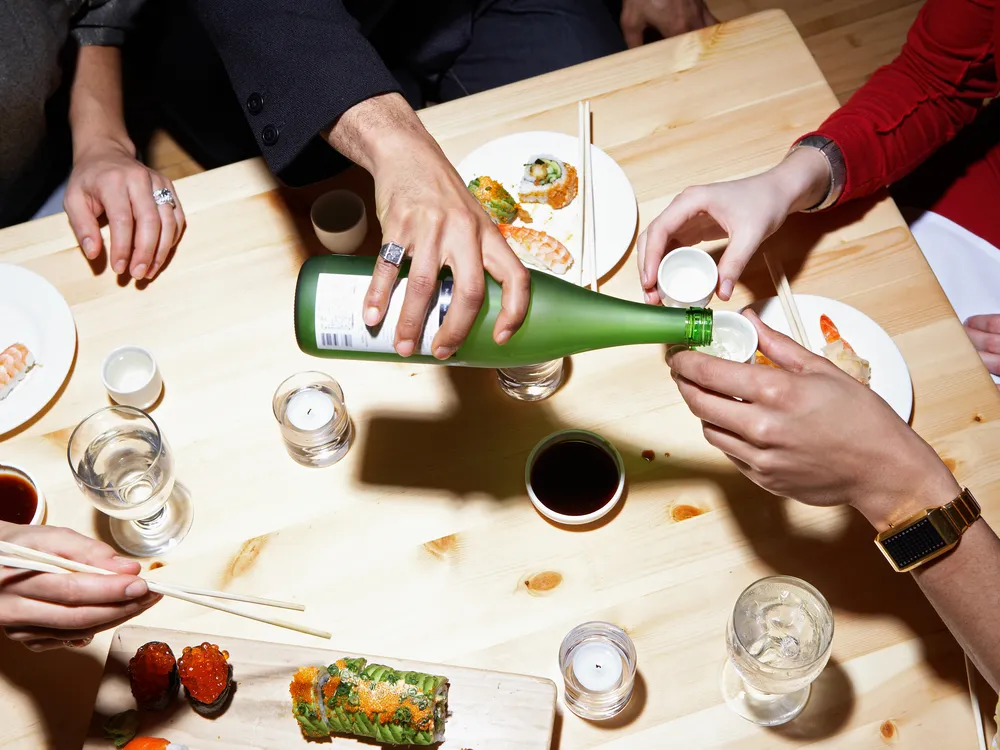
column 18, row 499
column 574, row 477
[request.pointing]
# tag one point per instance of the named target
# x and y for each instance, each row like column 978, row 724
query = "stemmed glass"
column 779, row 640
column 122, row 463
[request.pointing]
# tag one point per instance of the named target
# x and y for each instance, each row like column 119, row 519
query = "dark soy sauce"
column 18, row 499
column 574, row 477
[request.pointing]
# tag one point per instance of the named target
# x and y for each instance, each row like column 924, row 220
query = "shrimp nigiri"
column 842, row 354
column 537, row 248
column 153, row 743
column 15, row 361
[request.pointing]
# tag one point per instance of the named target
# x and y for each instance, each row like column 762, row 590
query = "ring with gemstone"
column 164, row 196
column 393, row 253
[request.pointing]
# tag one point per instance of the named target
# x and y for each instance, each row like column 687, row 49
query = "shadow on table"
column 46, row 678
column 830, row 706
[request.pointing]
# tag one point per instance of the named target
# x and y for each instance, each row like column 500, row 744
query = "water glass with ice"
column 779, row 640
column 123, row 465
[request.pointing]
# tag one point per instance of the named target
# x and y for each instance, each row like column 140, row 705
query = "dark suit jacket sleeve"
column 296, row 66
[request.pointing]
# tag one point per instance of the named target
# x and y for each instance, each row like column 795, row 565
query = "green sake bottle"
column 563, row 319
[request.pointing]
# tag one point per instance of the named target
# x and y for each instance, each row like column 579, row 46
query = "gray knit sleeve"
column 104, row 22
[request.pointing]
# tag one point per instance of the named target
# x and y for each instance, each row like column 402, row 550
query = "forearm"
column 96, row 113
column 962, row 585
column 372, row 132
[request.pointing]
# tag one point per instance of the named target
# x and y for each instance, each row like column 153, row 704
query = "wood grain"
column 432, row 494
column 487, row 710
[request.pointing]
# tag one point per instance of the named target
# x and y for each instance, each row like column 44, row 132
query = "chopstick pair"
column 786, row 299
column 25, row 558
column 588, row 244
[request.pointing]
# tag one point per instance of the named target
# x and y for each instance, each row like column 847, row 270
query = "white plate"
column 890, row 376
column 615, row 211
column 33, row 313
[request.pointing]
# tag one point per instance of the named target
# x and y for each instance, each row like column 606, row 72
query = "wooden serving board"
column 488, row 710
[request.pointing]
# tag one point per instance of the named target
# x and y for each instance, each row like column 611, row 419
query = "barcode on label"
column 337, row 340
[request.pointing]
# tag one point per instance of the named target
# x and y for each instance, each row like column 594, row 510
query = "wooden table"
column 432, row 491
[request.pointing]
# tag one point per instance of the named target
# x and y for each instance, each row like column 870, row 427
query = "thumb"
column 780, row 349
column 82, row 217
column 738, row 253
column 632, row 27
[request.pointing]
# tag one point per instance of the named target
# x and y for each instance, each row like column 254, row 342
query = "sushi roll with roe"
column 153, row 743
column 548, row 180
column 207, row 677
column 152, row 675
column 496, row 201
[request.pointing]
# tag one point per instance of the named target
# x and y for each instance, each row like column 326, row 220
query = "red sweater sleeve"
column 917, row 103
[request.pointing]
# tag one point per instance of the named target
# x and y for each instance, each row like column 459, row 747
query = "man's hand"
column 984, row 330
column 424, row 206
column 669, row 17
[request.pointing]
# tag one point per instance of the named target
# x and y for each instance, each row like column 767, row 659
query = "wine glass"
column 779, row 640
column 122, row 463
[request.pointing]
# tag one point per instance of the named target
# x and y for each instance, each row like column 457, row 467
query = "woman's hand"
column 669, row 17
column 748, row 211
column 50, row 610
column 984, row 330
column 811, row 432
column 108, row 179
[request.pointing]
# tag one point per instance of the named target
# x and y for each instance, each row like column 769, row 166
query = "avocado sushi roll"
column 371, row 700
column 496, row 201
column 152, row 676
column 548, row 180
column 207, row 677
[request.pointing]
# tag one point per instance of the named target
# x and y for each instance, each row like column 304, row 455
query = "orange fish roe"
column 204, row 671
column 302, row 684
column 150, row 672
column 384, row 698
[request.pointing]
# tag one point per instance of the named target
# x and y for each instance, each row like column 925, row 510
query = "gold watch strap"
column 910, row 544
column 963, row 511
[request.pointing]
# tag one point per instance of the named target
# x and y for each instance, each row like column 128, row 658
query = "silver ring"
column 392, row 253
column 164, row 196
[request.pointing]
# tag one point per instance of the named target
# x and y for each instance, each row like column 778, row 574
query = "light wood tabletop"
column 431, row 494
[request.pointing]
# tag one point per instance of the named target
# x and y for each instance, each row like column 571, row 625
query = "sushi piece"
column 497, row 202
column 371, row 700
column 537, row 248
column 152, row 675
column 153, row 743
column 548, row 180
column 207, row 677
column 15, row 362
column 761, row 359
column 842, row 354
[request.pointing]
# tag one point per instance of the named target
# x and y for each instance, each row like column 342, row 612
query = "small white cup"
column 687, row 277
column 131, row 377
column 584, row 436
column 340, row 221
column 733, row 337
column 39, row 516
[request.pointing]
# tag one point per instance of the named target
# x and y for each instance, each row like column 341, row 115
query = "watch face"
column 913, row 543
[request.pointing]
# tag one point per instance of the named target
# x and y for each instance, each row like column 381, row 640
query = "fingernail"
column 139, row 271
column 503, row 337
column 726, row 290
column 371, row 316
column 404, row 348
column 80, row 642
column 88, row 247
column 120, row 266
column 443, row 352
column 136, row 589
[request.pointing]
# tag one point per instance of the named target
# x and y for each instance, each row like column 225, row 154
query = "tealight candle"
column 313, row 417
column 598, row 663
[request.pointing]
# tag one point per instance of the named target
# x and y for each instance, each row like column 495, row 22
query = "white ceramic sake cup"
column 687, row 277
column 735, row 332
column 340, row 221
column 131, row 377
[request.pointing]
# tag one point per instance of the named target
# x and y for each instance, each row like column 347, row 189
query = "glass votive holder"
column 314, row 421
column 598, row 663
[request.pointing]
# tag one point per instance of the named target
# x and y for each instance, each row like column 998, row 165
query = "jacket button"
column 255, row 103
column 269, row 135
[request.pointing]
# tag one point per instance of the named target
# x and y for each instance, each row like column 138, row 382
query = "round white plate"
column 615, row 210
column 33, row 313
column 890, row 376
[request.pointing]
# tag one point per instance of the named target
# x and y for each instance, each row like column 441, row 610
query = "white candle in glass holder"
column 597, row 666
column 309, row 409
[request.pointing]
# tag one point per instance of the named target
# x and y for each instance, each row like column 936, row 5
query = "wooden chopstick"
column 977, row 713
column 590, row 239
column 582, row 176
column 30, row 559
column 786, row 299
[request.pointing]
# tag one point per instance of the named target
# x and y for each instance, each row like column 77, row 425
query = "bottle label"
column 340, row 302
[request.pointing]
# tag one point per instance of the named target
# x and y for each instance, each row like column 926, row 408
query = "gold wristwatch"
column 929, row 534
